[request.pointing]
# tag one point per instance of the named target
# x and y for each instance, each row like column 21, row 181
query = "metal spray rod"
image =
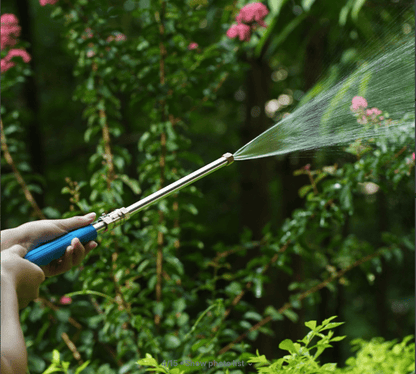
column 45, row 253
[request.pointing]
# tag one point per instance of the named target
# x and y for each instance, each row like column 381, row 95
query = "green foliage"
column 62, row 367
column 153, row 291
column 371, row 357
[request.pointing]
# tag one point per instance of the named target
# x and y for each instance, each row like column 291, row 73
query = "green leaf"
column 362, row 88
column 132, row 183
column 56, row 358
column 275, row 6
column 356, row 8
column 89, row 292
column 338, row 338
column 346, row 197
column 291, row 315
column 51, row 212
column 311, row 324
column 306, row 4
column 158, row 308
column 304, row 190
column 199, row 344
column 326, row 321
column 332, row 325
column 344, row 13
column 252, row 315
column 82, row 367
column 287, row 345
column 52, row 369
column 272, row 312
column 148, row 361
column 172, row 341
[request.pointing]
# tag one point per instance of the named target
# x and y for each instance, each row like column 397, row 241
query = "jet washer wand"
column 47, row 252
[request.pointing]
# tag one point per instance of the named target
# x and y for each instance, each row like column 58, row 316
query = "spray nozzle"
column 229, row 157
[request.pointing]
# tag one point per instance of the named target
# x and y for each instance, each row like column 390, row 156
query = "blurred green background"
column 248, row 194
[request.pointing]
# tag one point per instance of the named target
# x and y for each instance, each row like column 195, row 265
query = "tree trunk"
column 31, row 94
column 255, row 174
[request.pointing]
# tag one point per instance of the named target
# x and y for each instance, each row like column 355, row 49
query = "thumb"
column 76, row 222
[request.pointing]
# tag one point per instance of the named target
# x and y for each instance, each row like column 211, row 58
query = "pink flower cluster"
column 192, row 46
column 358, row 102
column 249, row 17
column 65, row 300
column 44, row 2
column 118, row 38
column 359, row 105
column 10, row 31
column 88, row 34
column 254, row 12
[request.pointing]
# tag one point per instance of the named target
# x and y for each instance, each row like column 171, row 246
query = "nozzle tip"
column 229, row 157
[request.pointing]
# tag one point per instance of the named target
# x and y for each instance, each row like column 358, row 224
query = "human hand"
column 31, row 234
column 24, row 276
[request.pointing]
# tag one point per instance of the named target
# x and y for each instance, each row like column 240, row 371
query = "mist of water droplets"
column 387, row 82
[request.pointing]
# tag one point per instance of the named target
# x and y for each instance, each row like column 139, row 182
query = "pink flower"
column 362, row 120
column 120, row 37
column 8, row 19
column 18, row 53
column 372, row 111
column 6, row 65
column 241, row 30
column 358, row 102
column 9, row 30
column 44, row 2
column 253, row 12
column 413, row 156
column 6, row 62
column 65, row 300
column 192, row 46
column 88, row 33
column 90, row 53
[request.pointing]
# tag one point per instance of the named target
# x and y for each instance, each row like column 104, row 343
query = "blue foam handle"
column 45, row 253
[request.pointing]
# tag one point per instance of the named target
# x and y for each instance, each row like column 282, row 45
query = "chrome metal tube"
column 120, row 215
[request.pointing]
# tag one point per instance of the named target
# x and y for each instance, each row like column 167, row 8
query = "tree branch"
column 20, row 180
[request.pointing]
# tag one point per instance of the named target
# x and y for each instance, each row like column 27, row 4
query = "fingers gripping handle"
column 45, row 253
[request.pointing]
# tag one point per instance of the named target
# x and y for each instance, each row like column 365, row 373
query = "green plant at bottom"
column 375, row 357
column 62, row 367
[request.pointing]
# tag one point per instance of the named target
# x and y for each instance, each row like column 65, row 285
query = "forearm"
column 13, row 347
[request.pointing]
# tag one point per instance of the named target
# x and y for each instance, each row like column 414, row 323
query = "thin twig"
column 159, row 16
column 121, row 301
column 72, row 347
column 49, row 304
column 108, row 156
column 300, row 298
column 20, row 180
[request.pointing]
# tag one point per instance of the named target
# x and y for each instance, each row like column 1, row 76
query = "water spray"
column 47, row 252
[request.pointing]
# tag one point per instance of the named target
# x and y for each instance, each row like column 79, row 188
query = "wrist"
column 8, row 280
